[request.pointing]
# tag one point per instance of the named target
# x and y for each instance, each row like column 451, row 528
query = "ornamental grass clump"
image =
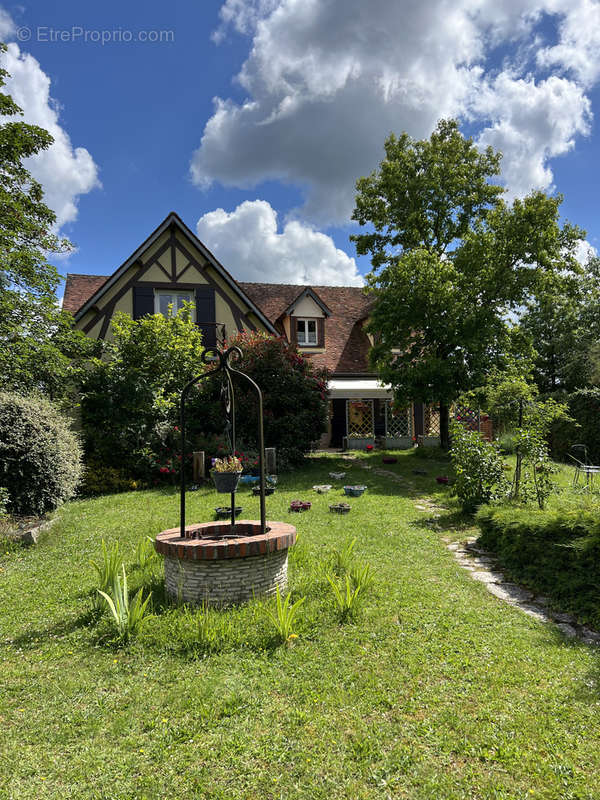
column 108, row 571
column 284, row 617
column 127, row 617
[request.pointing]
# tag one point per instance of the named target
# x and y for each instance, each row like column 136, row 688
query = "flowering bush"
column 295, row 400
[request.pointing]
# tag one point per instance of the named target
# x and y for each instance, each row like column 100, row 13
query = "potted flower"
column 354, row 491
column 226, row 474
column 224, row 512
column 300, row 505
column 340, row 508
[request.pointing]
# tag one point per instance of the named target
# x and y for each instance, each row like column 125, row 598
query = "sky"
column 253, row 119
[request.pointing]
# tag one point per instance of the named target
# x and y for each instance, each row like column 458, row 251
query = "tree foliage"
column 563, row 324
column 39, row 350
column 130, row 397
column 451, row 262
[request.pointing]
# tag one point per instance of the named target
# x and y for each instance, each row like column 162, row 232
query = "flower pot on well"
column 225, row 482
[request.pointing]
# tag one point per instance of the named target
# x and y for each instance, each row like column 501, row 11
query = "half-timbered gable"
column 171, row 267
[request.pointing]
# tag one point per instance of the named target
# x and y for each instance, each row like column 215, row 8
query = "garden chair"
column 583, row 466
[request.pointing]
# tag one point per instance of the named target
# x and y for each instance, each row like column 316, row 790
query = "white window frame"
column 306, row 320
column 158, row 293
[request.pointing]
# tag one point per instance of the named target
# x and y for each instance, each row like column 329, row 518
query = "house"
column 326, row 323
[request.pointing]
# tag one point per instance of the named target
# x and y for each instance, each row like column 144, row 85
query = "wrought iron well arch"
column 224, row 366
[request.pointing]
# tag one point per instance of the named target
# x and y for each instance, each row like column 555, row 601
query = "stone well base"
column 204, row 567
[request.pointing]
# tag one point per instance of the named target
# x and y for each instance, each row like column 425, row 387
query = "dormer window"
column 307, row 332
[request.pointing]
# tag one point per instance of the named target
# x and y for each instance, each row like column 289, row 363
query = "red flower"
column 163, row 469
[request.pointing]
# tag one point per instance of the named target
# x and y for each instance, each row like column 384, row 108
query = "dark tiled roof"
column 79, row 289
column 346, row 344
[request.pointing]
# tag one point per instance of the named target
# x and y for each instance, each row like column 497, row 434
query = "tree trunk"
column 444, row 426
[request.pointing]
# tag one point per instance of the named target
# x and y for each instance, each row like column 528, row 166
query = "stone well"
column 221, row 565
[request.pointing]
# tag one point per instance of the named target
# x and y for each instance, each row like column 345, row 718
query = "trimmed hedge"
column 40, row 456
column 555, row 553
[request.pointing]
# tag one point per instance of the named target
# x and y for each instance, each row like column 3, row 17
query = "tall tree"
column 563, row 323
column 451, row 261
column 38, row 348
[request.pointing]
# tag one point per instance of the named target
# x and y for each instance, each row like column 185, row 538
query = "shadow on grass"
column 456, row 521
column 32, row 639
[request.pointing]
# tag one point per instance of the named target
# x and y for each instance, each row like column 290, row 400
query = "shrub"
column 294, row 399
column 556, row 553
column 130, row 400
column 40, row 456
column 99, row 479
column 3, row 502
column 478, row 466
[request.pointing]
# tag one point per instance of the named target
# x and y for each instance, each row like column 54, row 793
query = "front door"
column 338, row 422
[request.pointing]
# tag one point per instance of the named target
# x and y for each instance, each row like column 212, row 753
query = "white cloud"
column 531, row 123
column 327, row 80
column 585, row 251
column 65, row 172
column 578, row 47
column 248, row 243
column 7, row 26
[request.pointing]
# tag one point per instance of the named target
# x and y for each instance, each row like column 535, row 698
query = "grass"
column 437, row 689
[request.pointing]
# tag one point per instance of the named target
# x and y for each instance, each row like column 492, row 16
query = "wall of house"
column 307, row 308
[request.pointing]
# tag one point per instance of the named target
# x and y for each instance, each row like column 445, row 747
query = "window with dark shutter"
column 206, row 315
column 143, row 301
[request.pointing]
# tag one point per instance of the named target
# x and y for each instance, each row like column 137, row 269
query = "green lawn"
column 438, row 690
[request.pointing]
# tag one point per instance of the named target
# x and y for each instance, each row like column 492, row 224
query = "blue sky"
column 253, row 118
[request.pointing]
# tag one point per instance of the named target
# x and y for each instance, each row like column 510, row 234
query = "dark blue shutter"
column 143, row 301
column 206, row 316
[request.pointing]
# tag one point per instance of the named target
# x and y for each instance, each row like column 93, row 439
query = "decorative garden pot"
column 322, row 488
column 389, row 460
column 225, row 482
column 442, row 479
column 224, row 512
column 354, row 491
column 300, row 505
column 268, row 490
column 337, row 476
column 340, row 508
